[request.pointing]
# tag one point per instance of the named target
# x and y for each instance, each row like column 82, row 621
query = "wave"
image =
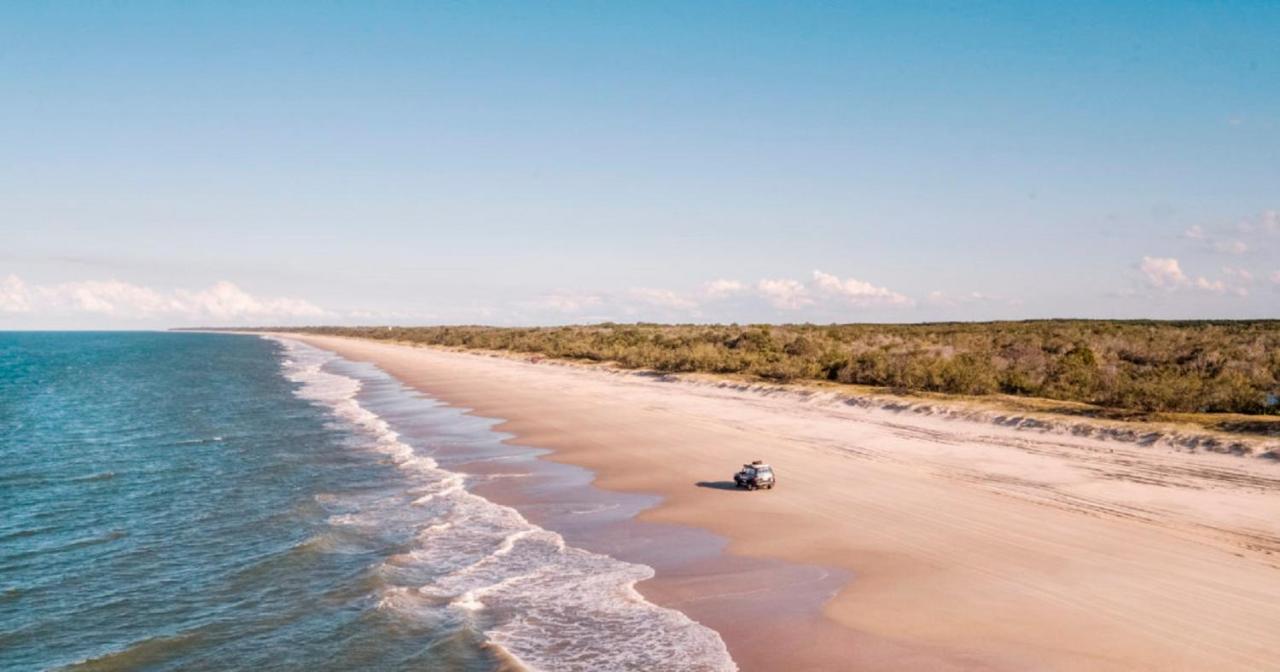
column 25, row 532
column 64, row 547
column 150, row 651
column 198, row 442
column 534, row 598
column 100, row 476
column 592, row 510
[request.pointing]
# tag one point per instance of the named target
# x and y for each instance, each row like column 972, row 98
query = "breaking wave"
column 540, row 601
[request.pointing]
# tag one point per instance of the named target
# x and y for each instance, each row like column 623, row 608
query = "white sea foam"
column 591, row 510
column 549, row 605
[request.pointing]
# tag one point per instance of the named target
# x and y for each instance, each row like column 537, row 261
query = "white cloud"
column 1267, row 222
column 784, row 293
column 1163, row 272
column 1256, row 234
column 780, row 293
column 857, row 291
column 1216, row 286
column 109, row 297
column 114, row 298
column 1166, row 273
column 721, row 288
column 1245, row 236
column 224, row 300
column 789, row 294
column 1275, row 277
column 13, row 295
column 1240, row 274
column 663, row 298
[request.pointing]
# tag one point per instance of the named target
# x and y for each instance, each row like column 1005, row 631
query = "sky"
column 183, row 164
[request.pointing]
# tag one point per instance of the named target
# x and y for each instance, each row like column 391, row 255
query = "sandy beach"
column 953, row 544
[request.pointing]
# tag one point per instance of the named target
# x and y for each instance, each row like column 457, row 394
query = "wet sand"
column 950, row 544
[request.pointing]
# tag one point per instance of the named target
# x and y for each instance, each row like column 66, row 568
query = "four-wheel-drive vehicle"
column 755, row 476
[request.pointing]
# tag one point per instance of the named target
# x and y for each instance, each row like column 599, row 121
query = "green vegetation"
column 1208, row 367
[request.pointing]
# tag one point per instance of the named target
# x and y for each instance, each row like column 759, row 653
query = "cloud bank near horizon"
column 221, row 302
column 1217, row 273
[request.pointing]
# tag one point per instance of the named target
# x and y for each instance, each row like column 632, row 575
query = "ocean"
column 192, row 501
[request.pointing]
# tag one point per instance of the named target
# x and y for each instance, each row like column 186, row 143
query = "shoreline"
column 474, row 559
column 692, row 572
column 953, row 567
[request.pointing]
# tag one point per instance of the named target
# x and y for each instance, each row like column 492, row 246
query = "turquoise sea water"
column 208, row 501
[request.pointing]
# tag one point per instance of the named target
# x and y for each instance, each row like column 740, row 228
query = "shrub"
column 1214, row 366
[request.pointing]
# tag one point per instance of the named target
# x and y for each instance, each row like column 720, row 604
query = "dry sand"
column 969, row 545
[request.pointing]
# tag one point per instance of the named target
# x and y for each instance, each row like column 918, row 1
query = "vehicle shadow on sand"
column 718, row 485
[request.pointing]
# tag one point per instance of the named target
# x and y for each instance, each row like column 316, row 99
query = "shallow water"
column 206, row 501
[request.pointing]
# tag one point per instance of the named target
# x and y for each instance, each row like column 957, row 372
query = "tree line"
column 1198, row 366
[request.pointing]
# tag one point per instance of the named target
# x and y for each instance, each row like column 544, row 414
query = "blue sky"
column 167, row 164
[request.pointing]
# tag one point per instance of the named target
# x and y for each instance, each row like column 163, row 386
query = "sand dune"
column 969, row 545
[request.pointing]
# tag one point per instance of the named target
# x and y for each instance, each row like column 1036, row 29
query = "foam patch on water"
column 549, row 605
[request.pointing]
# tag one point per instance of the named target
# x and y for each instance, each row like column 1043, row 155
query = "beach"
column 640, row 337
column 953, row 544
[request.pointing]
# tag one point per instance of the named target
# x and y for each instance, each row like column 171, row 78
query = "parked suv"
column 755, row 476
